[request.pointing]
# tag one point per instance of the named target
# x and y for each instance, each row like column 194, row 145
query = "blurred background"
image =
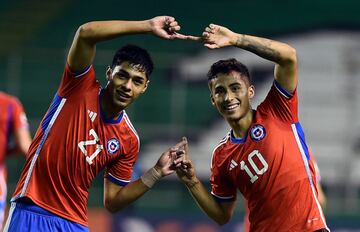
column 35, row 38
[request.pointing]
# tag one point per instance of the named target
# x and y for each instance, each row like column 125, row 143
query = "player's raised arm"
column 219, row 212
column 82, row 51
column 283, row 55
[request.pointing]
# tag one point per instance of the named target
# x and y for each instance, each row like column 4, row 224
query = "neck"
column 240, row 127
column 110, row 110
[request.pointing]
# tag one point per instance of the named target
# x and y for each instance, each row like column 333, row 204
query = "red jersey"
column 12, row 118
column 73, row 143
column 271, row 167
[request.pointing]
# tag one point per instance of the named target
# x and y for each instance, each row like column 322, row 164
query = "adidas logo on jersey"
column 233, row 165
column 92, row 115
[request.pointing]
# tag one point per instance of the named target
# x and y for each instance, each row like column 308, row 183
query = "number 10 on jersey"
column 254, row 167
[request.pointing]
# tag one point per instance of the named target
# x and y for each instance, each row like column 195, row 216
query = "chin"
column 120, row 104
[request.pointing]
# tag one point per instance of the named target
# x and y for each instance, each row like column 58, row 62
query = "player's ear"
column 146, row 86
column 212, row 99
column 108, row 73
column 251, row 91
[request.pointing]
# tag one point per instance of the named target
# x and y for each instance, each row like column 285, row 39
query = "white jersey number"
column 243, row 166
column 99, row 147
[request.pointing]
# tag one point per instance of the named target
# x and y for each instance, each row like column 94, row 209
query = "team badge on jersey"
column 257, row 132
column 113, row 145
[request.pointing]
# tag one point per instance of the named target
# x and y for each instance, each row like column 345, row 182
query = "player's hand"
column 186, row 170
column 167, row 27
column 216, row 36
column 170, row 159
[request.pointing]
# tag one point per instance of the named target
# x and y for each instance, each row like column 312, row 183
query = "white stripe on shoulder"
column 128, row 122
column 84, row 72
column 224, row 140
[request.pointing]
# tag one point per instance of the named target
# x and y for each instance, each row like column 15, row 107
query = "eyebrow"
column 122, row 71
column 127, row 74
column 234, row 84
column 139, row 78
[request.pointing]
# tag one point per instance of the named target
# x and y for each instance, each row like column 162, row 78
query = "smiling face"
column 126, row 82
column 231, row 94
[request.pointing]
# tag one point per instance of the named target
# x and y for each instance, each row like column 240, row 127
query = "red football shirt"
column 271, row 167
column 73, row 143
column 12, row 118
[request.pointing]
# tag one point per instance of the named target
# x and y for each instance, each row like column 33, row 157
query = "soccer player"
column 265, row 155
column 13, row 125
column 86, row 130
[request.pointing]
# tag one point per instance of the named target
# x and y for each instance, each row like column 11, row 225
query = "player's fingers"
column 180, row 144
column 193, row 38
column 208, row 29
column 206, row 35
column 174, row 28
column 186, row 37
column 180, row 36
column 169, row 19
column 186, row 146
column 180, row 153
column 213, row 26
column 178, row 159
column 187, row 163
column 174, row 23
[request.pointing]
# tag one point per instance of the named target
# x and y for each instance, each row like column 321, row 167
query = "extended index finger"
column 179, row 145
column 186, row 147
column 186, row 37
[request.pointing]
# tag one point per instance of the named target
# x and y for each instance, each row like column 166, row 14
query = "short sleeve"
column 221, row 187
column 120, row 171
column 76, row 81
column 19, row 116
column 280, row 104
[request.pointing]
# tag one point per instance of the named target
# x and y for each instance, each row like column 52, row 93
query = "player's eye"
column 138, row 82
column 122, row 75
column 236, row 88
column 219, row 90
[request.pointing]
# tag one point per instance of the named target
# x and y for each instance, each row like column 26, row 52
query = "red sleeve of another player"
column 19, row 117
column 120, row 172
column 280, row 104
column 76, row 81
column 221, row 187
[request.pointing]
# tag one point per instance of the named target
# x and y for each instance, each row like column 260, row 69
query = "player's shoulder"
column 220, row 146
column 9, row 99
column 130, row 127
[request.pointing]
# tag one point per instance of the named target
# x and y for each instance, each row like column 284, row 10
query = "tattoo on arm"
column 260, row 46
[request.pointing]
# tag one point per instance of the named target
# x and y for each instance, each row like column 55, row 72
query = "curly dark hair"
column 134, row 55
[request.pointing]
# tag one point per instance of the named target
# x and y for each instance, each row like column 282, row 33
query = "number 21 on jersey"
column 255, row 171
column 82, row 145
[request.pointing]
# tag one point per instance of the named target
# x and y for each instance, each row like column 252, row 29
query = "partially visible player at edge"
column 264, row 155
column 87, row 129
column 13, row 125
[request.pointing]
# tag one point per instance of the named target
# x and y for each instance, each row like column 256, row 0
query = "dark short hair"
column 227, row 66
column 134, row 55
